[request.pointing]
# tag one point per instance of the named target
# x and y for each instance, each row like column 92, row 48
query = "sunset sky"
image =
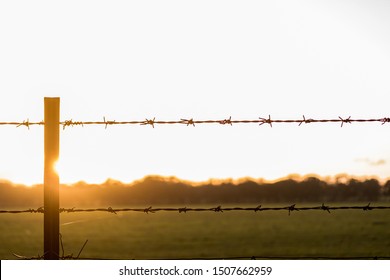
column 136, row 60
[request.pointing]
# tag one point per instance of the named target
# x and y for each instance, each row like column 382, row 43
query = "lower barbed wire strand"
column 290, row 208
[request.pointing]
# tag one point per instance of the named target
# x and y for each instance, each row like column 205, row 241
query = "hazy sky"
column 131, row 60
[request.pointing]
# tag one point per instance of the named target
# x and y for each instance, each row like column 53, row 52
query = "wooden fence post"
column 51, row 179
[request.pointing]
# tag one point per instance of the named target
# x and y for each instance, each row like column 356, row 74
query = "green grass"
column 162, row 235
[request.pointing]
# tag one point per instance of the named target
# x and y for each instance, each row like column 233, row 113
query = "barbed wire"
column 25, row 123
column 220, row 209
column 290, row 208
column 191, row 122
column 38, row 210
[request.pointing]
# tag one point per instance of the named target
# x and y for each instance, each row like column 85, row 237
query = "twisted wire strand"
column 289, row 209
column 191, row 122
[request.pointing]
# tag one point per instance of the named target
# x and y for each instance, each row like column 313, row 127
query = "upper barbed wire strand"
column 191, row 122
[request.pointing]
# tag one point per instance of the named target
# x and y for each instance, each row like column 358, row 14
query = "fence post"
column 51, row 179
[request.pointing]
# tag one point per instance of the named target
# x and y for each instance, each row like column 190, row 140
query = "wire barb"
column 325, row 208
column 217, row 209
column 110, row 210
column 149, row 122
column 108, row 122
column 149, row 210
column 367, row 208
column 25, row 123
column 188, row 122
column 266, row 121
column 226, row 121
column 348, row 120
column 70, row 123
column 305, row 120
column 385, row 120
column 292, row 208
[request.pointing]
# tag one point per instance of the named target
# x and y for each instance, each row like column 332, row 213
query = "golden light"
column 58, row 167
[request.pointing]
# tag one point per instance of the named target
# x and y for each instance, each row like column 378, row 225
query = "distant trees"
column 386, row 189
column 158, row 190
column 354, row 190
column 16, row 195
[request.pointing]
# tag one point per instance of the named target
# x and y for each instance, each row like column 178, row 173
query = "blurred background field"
column 172, row 235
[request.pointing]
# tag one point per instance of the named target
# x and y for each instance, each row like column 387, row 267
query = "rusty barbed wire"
column 191, row 122
column 260, row 208
column 38, row 210
column 25, row 123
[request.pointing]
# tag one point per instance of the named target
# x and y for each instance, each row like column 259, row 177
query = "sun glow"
column 298, row 63
column 65, row 174
column 58, row 167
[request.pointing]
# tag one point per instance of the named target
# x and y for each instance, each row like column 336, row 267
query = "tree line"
column 155, row 190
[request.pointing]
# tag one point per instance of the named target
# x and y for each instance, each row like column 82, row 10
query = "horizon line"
column 344, row 177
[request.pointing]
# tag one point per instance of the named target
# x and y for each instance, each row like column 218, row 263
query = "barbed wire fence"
column 220, row 209
column 191, row 122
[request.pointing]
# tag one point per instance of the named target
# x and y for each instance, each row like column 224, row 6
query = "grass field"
column 167, row 235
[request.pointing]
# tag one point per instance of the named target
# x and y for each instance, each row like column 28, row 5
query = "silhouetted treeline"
column 157, row 190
